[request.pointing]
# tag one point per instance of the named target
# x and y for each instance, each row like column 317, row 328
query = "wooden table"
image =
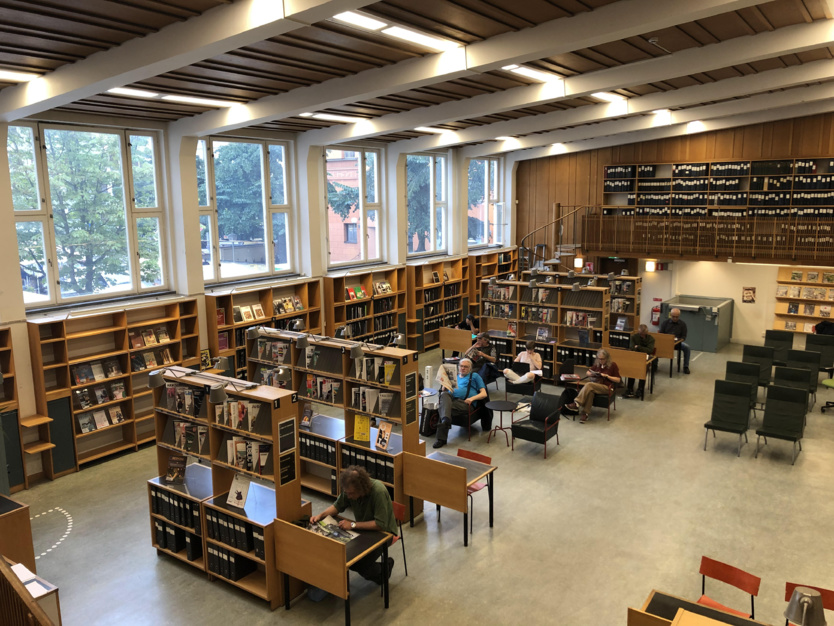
column 444, row 479
column 324, row 562
column 454, row 339
column 667, row 607
column 633, row 364
column 16, row 533
column 665, row 347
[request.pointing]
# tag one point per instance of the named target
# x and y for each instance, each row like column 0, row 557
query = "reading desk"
column 444, row 479
column 665, row 347
column 324, row 562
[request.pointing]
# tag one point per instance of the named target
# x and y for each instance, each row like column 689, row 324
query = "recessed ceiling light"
column 431, row 129
column 435, row 43
column 607, row 96
column 357, row 19
column 201, row 101
column 529, row 72
column 558, row 148
column 660, row 111
column 17, row 77
column 136, row 93
column 331, row 117
column 305, row 115
column 696, row 126
column 504, row 138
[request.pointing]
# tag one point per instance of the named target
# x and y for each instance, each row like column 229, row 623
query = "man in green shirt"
column 371, row 505
column 641, row 341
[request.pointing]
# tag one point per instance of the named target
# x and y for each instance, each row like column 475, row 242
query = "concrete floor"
column 619, row 508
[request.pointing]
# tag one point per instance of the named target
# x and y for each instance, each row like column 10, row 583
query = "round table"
column 501, row 407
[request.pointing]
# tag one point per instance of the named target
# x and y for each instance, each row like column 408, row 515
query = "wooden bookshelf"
column 371, row 306
column 260, row 423
column 325, row 375
column 440, row 297
column 486, row 264
column 15, row 429
column 565, row 324
column 231, row 312
column 97, row 365
column 804, row 298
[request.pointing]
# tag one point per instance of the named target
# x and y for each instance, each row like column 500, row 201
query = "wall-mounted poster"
column 748, row 295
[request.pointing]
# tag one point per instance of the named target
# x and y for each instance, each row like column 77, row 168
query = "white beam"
column 609, row 23
column 741, row 50
column 215, row 32
column 730, row 88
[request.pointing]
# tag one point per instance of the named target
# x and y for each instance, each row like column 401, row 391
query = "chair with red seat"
column 474, row 456
column 732, row 576
column 827, row 596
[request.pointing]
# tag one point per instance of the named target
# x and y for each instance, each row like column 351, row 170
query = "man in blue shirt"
column 456, row 401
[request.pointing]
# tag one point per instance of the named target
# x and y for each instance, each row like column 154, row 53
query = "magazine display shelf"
column 804, row 298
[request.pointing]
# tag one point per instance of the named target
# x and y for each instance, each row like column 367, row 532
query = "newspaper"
column 447, row 376
column 329, row 527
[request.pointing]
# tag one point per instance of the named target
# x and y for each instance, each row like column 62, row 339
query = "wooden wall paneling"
column 767, row 141
column 710, row 146
column 782, row 138
column 825, row 134
column 751, row 137
column 542, row 193
column 522, row 190
column 724, row 144
column 808, row 138
column 649, row 151
column 698, row 147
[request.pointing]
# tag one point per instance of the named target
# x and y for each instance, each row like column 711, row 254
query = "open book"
column 329, row 527
column 447, row 376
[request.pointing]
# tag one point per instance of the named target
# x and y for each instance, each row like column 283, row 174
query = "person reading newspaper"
column 459, row 392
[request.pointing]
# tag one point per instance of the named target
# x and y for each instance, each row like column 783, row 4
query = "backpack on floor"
column 568, row 396
column 428, row 422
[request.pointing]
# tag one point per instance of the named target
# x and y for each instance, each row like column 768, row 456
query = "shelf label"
column 276, row 404
column 294, row 399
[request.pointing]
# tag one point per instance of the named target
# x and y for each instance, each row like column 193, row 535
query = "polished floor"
column 618, row 509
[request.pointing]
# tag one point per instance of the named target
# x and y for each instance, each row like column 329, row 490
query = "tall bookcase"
column 804, row 298
column 565, row 324
column 93, row 371
column 371, row 306
column 193, row 522
column 231, row 312
column 626, row 294
column 439, row 296
column 382, row 384
column 13, row 430
column 486, row 264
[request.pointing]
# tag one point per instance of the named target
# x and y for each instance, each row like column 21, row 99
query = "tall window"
column 486, row 215
column 353, row 206
column 244, row 208
column 426, row 200
column 88, row 212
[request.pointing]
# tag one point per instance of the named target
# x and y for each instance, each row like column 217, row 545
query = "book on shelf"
column 389, row 367
column 83, row 374
column 583, row 336
column 307, row 415
column 812, row 277
column 223, row 340
column 512, row 329
column 112, row 368
column 237, row 315
column 102, row 395
column 246, row 312
column 116, row 415
column 542, row 333
column 136, row 340
column 383, row 435
column 278, row 307
column 350, row 294
column 782, row 291
column 221, row 316
column 98, row 371
column 188, row 401
column 385, row 400
column 149, row 337
column 435, row 277
column 175, row 475
column 808, row 309
column 809, row 327
column 362, row 428
column 258, row 311
column 137, row 363
column 790, row 325
column 796, row 276
column 162, row 334
column 167, row 359
column 202, row 436
column 828, row 277
column 82, row 398
column 150, row 359
column 621, row 323
column 793, row 291
column 445, row 275
column 364, row 293
column 825, row 310
column 289, row 305
column 86, row 423
column 100, row 418
column 296, row 300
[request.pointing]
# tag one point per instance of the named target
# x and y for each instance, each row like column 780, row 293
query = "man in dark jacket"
column 641, row 341
column 677, row 327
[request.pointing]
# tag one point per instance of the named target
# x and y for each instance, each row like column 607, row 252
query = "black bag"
column 567, row 397
column 428, row 422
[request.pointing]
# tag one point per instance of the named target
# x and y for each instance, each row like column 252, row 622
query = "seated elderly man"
column 456, row 402
column 677, row 327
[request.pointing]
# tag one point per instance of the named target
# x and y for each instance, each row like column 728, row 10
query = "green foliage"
column 21, row 148
column 476, row 188
column 418, row 194
column 144, row 174
column 150, row 270
column 238, row 175
column 342, row 198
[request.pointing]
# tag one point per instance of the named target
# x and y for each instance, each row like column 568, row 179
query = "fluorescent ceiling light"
column 136, row 93
column 504, row 138
column 305, row 115
column 607, row 96
column 330, row 117
column 661, row 111
column 357, row 19
column 529, row 72
column 435, row 43
column 201, row 101
column 431, row 129
column 696, row 127
column 17, row 77
column 558, row 148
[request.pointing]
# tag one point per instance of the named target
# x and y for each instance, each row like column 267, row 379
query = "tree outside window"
column 484, row 225
column 426, row 202
column 352, row 202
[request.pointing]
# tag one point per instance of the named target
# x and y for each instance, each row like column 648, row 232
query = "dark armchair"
column 524, row 389
column 542, row 424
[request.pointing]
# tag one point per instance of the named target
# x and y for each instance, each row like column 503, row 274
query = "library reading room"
column 326, row 307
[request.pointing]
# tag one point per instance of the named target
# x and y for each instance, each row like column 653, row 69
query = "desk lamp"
column 805, row 607
column 571, row 274
column 534, row 272
column 548, row 280
column 493, row 280
column 297, row 325
column 301, row 343
column 575, row 287
column 510, row 277
column 533, row 283
column 398, row 341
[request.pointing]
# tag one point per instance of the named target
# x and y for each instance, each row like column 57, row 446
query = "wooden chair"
column 472, row 489
column 827, row 596
column 400, row 515
column 732, row 576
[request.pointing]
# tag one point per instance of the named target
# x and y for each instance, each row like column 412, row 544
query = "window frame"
column 270, row 209
column 498, row 233
column 44, row 214
column 364, row 207
column 434, row 204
